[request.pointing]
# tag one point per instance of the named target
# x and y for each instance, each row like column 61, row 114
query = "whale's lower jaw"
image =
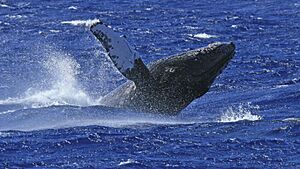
column 129, row 97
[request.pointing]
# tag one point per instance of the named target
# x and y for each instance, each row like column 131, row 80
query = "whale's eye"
column 170, row 69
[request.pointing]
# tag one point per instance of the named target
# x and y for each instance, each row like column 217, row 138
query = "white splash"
column 59, row 87
column 87, row 23
column 203, row 36
column 64, row 89
column 238, row 114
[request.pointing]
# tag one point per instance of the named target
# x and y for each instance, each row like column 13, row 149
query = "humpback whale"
column 165, row 86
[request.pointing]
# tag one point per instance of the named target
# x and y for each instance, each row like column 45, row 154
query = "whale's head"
column 189, row 75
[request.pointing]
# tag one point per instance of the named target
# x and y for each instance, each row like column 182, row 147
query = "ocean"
column 54, row 74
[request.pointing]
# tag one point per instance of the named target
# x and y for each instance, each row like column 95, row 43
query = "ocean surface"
column 53, row 73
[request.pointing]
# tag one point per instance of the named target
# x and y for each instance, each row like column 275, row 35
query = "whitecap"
column 4, row 6
column 4, row 134
column 3, row 86
column 190, row 28
column 86, row 23
column 234, row 26
column 204, row 36
column 9, row 101
column 129, row 161
column 280, row 86
column 292, row 119
column 54, row 31
column 149, row 9
column 16, row 16
column 8, row 111
column 72, row 7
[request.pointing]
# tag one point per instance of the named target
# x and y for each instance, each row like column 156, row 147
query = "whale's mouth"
column 224, row 52
column 217, row 68
column 220, row 66
column 229, row 51
column 220, row 48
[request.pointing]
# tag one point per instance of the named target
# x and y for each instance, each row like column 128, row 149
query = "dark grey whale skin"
column 172, row 83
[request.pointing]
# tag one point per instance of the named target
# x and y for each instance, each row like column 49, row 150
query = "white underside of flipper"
column 117, row 47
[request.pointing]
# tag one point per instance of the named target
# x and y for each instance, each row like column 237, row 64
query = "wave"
column 292, row 119
column 287, row 83
column 55, row 117
column 66, row 116
column 240, row 113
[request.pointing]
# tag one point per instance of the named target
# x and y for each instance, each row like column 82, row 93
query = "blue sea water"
column 54, row 72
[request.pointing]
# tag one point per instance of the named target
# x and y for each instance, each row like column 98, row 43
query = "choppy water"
column 53, row 74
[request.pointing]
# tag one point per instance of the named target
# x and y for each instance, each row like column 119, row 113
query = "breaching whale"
column 167, row 85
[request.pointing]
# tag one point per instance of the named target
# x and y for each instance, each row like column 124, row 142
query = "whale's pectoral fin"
column 124, row 57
